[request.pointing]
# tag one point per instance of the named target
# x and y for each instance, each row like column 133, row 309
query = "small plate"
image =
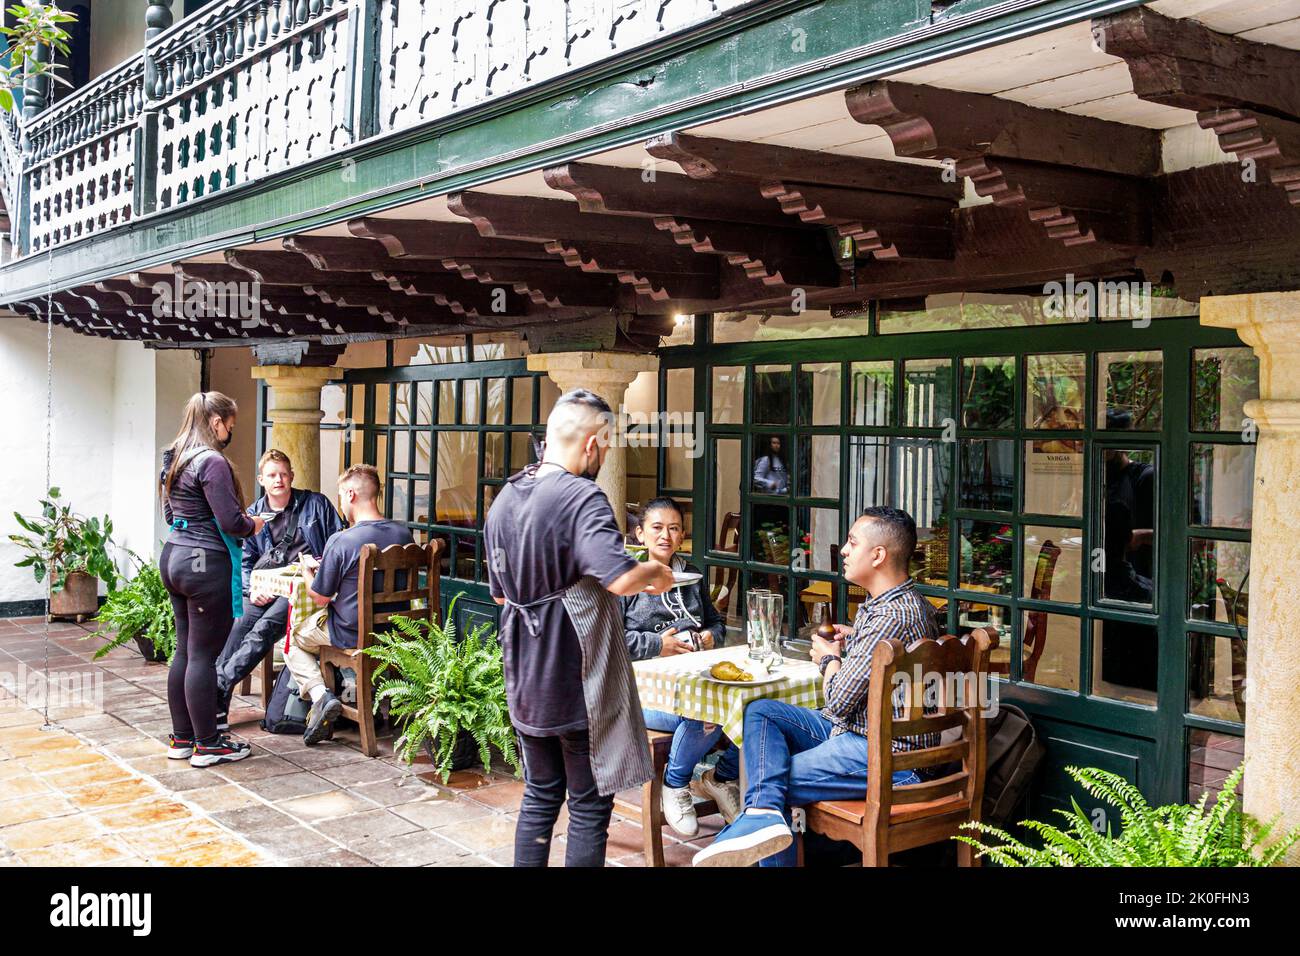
column 762, row 677
column 683, row 578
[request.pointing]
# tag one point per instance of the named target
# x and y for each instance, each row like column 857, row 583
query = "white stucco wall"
column 115, row 403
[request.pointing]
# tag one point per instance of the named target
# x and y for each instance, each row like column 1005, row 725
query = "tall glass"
column 775, row 624
column 758, row 603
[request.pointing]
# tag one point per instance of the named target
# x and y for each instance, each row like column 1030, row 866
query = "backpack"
column 286, row 712
column 1012, row 756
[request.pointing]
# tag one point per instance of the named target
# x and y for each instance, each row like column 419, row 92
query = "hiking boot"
column 321, row 717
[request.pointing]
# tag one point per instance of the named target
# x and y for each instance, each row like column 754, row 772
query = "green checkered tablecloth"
column 680, row 685
column 285, row 582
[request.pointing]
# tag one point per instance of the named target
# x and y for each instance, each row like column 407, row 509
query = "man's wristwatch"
column 825, row 661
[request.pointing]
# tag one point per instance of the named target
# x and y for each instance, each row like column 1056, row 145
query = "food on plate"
column 726, row 670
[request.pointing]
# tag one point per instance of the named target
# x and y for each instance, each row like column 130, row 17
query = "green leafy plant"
column 1175, row 835
column 140, row 608
column 35, row 26
column 439, row 688
column 60, row 541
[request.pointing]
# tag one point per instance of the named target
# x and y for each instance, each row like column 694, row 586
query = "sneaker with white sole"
column 224, row 750
column 320, row 719
column 725, row 793
column 679, row 811
column 179, row 748
column 756, row 835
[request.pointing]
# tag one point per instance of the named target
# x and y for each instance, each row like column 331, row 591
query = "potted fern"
column 139, row 611
column 72, row 551
column 1175, row 835
column 447, row 696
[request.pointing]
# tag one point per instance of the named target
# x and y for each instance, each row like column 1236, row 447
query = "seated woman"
column 678, row 622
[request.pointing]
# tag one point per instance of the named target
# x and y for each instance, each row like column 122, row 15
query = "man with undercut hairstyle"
column 795, row 756
column 556, row 561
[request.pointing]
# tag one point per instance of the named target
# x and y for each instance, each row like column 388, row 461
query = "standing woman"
column 204, row 503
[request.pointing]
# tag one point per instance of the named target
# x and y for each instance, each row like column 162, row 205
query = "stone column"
column 295, row 415
column 1270, row 324
column 608, row 374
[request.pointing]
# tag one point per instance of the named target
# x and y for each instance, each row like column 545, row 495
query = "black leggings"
column 198, row 581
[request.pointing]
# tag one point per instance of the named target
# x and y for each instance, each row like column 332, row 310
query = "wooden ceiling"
column 998, row 171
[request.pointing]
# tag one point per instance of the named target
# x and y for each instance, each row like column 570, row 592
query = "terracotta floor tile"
column 39, row 833
column 440, row 811
column 255, row 768
column 371, row 771
column 91, row 852
column 254, row 817
column 624, row 838
column 481, row 835
column 150, row 842
column 293, row 843
column 24, row 810
column 216, row 853
column 325, row 806
column 111, row 794
column 105, row 772
column 289, row 785
column 137, row 747
column 411, row 849
column 396, row 792
column 367, row 825
column 148, row 812
column 502, row 796
column 62, row 760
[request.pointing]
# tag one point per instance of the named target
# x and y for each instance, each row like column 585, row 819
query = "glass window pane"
column 1216, row 676
column 489, row 492
column 1129, row 524
column 1053, row 564
column 772, row 394
column 922, row 475
column 971, row 310
column 447, row 402
column 401, row 451
column 724, row 590
column 679, row 464
column 521, row 400
column 819, row 540
column 987, row 556
column 1054, row 477
column 1130, row 391
column 819, row 394
column 873, row 393
column 868, row 472
column 332, row 442
column 1217, row 586
column 1223, row 381
column 992, row 617
column 1211, row 757
column 1049, row 649
column 683, row 332
column 1125, row 661
column 770, row 472
column 521, row 451
column 680, row 392
column 471, row 403
column 381, row 457
column 494, row 455
column 809, row 324
column 988, row 477
column 420, row 502
column 1223, row 485
column 988, row 392
column 382, row 397
column 771, row 524
column 927, row 392
column 726, row 503
column 729, row 394
column 1126, row 301
column 403, row 413
column 465, row 554
column 1054, row 390
column 457, row 478
column 423, row 453
column 423, row 403
column 399, row 497
column 495, row 411
column 819, row 466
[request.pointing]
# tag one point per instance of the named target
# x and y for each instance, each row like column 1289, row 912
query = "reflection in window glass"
column 771, row 524
column 1125, row 661
column 819, row 394
column 1223, row 381
column 382, row 399
column 495, row 411
column 1054, row 390
column 927, row 392
column 498, row 345
column 993, row 618
column 872, row 395
column 728, row 394
column 471, row 403
column 726, row 504
column 819, row 466
column 494, row 455
column 683, row 332
column 1054, row 477
column 1053, row 564
column 381, row 457
column 970, row 310
column 1210, row 758
column 1049, row 653
column 868, row 472
column 1125, row 301
column 423, row 464
column 457, row 478
column 420, row 502
column 447, row 402
column 1217, row 586
column 772, row 394
column 922, row 475
column 1130, row 391
column 819, row 540
column 1223, row 485
column 1216, row 677
column 679, row 394
column 987, row 556
column 423, row 403
column 1129, row 525
column 402, row 411
column 401, row 451
column 988, row 478
column 770, row 472
column 522, row 450
column 399, row 499
column 521, row 409
column 988, row 392
column 765, row 327
column 723, row 588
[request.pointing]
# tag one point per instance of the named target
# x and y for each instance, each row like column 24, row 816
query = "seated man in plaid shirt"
column 795, row 756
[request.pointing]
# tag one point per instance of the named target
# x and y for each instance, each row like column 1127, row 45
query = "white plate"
column 683, row 578
column 761, row 676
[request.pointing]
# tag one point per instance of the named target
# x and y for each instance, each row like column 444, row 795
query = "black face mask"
column 230, row 436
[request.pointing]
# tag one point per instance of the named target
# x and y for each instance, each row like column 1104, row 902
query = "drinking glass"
column 775, row 624
column 758, row 603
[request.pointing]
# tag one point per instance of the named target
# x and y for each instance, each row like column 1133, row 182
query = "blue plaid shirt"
column 901, row 613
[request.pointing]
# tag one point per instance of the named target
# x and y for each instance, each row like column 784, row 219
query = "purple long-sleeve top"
column 203, row 495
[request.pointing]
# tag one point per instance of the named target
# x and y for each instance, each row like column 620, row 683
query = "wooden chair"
column 397, row 569
column 1034, row 640
column 268, row 679
column 728, row 541
column 893, row 819
column 652, row 794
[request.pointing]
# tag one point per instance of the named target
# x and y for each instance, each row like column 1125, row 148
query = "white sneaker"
column 679, row 811
column 725, row 793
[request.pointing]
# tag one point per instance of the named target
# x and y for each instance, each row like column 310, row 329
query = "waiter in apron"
column 556, row 563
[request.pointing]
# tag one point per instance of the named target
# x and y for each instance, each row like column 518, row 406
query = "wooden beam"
column 425, row 239
column 774, row 257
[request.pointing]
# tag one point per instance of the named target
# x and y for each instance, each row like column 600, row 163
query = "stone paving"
column 99, row 789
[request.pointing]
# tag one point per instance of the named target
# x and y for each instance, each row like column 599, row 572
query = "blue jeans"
column 793, row 760
column 690, row 743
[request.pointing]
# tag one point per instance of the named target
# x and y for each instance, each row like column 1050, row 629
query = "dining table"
column 285, row 582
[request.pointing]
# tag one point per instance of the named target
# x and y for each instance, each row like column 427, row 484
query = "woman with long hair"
column 204, row 503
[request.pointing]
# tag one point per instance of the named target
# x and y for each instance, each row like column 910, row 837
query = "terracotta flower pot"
column 79, row 598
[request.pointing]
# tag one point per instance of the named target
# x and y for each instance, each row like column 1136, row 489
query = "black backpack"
column 1013, row 754
column 286, row 712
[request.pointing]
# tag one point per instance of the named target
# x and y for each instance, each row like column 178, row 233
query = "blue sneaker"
column 752, row 836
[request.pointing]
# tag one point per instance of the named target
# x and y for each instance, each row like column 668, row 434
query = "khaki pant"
column 303, row 657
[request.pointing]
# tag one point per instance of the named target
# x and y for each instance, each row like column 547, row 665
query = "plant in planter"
column 446, row 695
column 140, row 611
column 1176, row 835
column 72, row 550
